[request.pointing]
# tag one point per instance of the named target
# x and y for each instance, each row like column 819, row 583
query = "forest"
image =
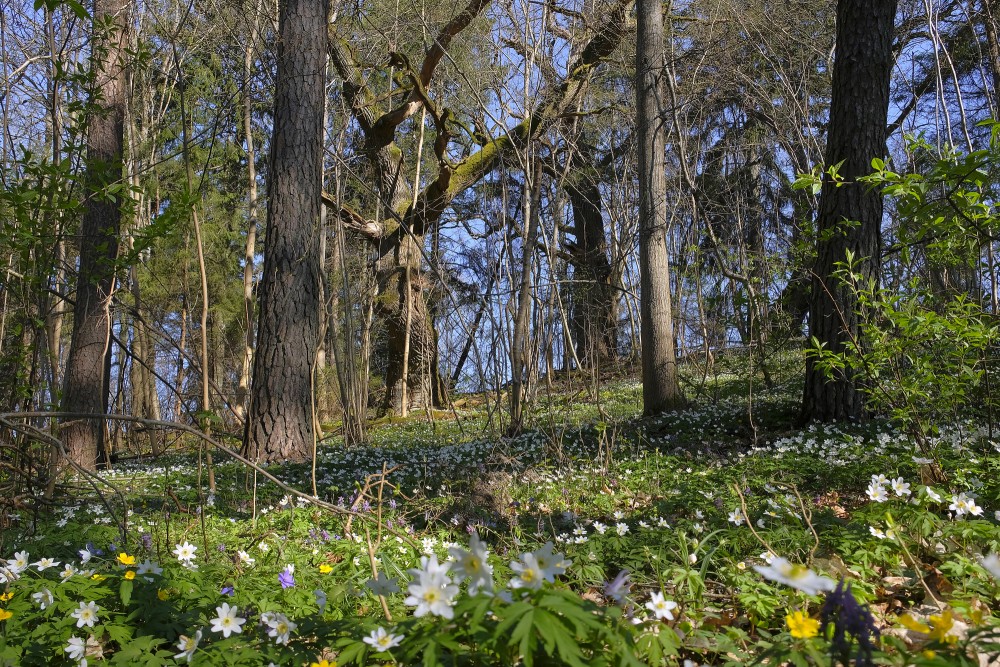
column 500, row 332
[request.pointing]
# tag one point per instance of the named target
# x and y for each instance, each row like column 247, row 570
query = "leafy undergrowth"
column 718, row 534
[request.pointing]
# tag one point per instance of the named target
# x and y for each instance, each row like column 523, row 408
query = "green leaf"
column 125, row 592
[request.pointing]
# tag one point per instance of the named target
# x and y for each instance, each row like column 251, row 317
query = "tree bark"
column 856, row 134
column 88, row 366
column 660, row 390
column 594, row 313
column 280, row 420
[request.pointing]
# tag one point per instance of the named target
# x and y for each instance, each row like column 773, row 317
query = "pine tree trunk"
column 88, row 366
column 857, row 133
column 280, row 419
column 660, row 390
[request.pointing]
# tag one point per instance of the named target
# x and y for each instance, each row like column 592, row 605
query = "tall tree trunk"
column 280, row 420
column 88, row 365
column 660, row 390
column 857, row 133
column 520, row 350
column 243, row 385
column 594, row 319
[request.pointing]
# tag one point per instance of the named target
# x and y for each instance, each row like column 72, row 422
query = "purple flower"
column 618, row 588
column 227, row 590
column 286, row 578
column 852, row 624
column 222, row 548
column 147, row 541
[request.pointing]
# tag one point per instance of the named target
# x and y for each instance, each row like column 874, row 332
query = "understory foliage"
column 625, row 542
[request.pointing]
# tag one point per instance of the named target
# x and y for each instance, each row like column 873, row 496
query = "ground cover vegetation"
column 499, row 333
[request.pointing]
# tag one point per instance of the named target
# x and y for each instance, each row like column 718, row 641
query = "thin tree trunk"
column 243, row 386
column 519, row 354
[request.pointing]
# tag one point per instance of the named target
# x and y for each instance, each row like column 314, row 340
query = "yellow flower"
column 125, row 559
column 325, row 569
column 801, row 626
column 130, row 574
column 910, row 623
column 6, row 596
column 323, row 663
column 942, row 625
column 163, row 594
column 98, row 577
column 4, row 615
column 929, row 654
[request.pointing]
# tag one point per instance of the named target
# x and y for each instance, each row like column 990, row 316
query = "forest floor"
column 700, row 507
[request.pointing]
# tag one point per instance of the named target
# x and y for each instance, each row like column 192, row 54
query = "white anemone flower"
column 279, row 627
column 185, row 552
column 432, row 591
column 77, row 650
column 661, row 608
column 228, row 621
column 900, row 487
column 19, row 563
column 86, row 614
column 553, row 564
column 877, row 493
column 529, row 573
column 43, row 598
column 45, row 563
column 187, row 646
column 473, row 564
column 796, row 576
column 380, row 640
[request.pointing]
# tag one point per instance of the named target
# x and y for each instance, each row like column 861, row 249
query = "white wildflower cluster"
column 878, row 492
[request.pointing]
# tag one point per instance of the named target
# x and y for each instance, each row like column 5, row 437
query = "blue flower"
column 227, row 590
column 286, row 578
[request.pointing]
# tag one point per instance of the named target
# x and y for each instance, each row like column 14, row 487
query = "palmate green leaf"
column 125, row 592
column 555, row 636
column 510, row 616
column 524, row 637
column 568, row 606
column 122, row 634
column 143, row 651
column 351, row 651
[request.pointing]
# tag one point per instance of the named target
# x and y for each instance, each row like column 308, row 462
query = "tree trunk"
column 857, row 133
column 521, row 360
column 396, row 273
column 594, row 316
column 660, row 390
column 250, row 250
column 280, row 419
column 88, row 365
